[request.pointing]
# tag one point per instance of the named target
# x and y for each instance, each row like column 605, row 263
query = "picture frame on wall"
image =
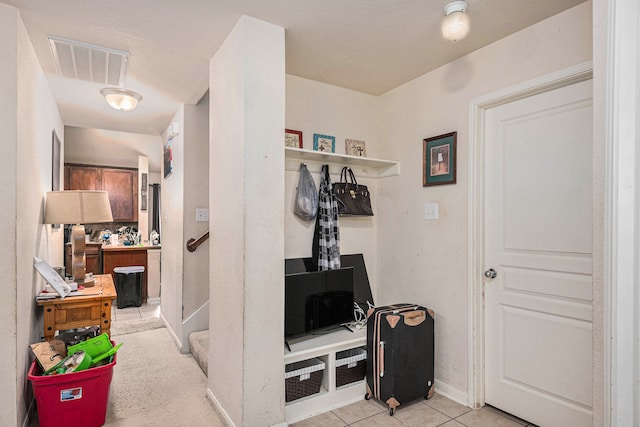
column 439, row 160
column 324, row 143
column 144, row 190
column 292, row 138
column 55, row 165
column 354, row 147
column 168, row 159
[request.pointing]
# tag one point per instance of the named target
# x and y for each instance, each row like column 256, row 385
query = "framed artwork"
column 439, row 160
column 353, row 147
column 55, row 166
column 168, row 158
column 324, row 143
column 292, row 138
column 144, row 189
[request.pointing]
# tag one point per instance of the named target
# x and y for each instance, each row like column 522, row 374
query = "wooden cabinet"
column 92, row 255
column 121, row 184
column 126, row 257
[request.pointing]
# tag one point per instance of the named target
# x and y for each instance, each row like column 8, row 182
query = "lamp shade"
column 77, row 207
column 121, row 99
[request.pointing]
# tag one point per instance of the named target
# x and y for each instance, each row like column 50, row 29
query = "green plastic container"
column 94, row 347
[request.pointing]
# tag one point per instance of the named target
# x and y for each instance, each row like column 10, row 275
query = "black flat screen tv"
column 361, row 287
column 317, row 301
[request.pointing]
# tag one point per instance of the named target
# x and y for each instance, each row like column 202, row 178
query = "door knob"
column 490, row 273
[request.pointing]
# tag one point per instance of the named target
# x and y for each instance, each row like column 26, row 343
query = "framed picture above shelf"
column 365, row 167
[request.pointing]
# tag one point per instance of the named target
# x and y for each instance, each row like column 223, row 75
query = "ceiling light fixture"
column 455, row 25
column 121, row 99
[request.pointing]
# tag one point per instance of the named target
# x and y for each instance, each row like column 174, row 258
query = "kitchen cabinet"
column 92, row 255
column 121, row 184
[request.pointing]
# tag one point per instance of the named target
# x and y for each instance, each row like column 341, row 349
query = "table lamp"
column 78, row 207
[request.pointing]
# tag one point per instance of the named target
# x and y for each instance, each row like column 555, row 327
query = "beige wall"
column 195, row 289
column 172, row 225
column 247, row 117
column 426, row 261
column 29, row 115
column 111, row 148
column 344, row 114
column 8, row 170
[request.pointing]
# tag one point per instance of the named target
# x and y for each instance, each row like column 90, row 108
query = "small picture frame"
column 324, row 143
column 292, row 138
column 439, row 160
column 168, row 158
column 55, row 166
column 354, row 147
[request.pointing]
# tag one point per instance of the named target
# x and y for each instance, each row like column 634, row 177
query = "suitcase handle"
column 415, row 318
column 381, row 360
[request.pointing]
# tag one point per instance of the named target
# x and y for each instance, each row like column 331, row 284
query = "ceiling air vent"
column 83, row 61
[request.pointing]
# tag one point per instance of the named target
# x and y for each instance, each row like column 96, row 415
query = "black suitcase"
column 400, row 352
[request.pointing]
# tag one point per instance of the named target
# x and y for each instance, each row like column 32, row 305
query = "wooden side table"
column 92, row 308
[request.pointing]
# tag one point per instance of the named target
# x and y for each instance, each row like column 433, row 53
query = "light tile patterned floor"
column 131, row 313
column 436, row 412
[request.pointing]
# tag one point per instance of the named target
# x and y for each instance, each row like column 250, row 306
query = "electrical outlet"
column 202, row 215
column 430, row 211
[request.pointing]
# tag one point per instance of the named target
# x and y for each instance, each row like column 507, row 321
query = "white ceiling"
column 369, row 46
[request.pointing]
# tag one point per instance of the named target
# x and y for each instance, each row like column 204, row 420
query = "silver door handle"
column 490, row 274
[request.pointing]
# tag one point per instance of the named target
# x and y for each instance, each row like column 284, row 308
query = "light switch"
column 202, row 215
column 430, row 211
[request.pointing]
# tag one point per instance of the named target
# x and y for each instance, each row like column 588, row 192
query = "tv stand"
column 325, row 347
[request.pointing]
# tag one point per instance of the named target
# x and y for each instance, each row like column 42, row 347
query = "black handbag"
column 353, row 199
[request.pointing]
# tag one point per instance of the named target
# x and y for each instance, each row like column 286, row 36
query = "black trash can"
column 128, row 281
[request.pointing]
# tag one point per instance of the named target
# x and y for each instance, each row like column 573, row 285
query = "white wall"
column 171, row 219
column 8, row 175
column 29, row 115
column 314, row 107
column 111, row 148
column 195, row 290
column 247, row 118
column 426, row 261
column 143, row 215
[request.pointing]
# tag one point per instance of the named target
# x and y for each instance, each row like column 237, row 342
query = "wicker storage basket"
column 303, row 378
column 350, row 366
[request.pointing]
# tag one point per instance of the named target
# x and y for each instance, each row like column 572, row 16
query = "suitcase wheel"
column 392, row 411
column 367, row 396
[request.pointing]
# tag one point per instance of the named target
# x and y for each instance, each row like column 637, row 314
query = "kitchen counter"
column 121, row 247
column 114, row 256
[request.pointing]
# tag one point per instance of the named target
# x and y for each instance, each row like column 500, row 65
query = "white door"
column 538, row 209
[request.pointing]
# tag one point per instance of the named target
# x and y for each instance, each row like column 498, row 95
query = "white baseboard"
column 455, row 394
column 173, row 335
column 153, row 300
column 226, row 419
column 30, row 413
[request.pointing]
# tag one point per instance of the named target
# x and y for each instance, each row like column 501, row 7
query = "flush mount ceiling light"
column 121, row 99
column 455, row 25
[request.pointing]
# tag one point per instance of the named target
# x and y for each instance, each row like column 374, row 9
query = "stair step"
column 199, row 342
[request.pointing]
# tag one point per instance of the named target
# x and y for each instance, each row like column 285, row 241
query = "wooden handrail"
column 192, row 244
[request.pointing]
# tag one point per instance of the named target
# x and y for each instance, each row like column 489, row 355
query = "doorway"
column 530, row 223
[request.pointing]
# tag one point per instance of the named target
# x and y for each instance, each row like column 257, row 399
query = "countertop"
column 121, row 247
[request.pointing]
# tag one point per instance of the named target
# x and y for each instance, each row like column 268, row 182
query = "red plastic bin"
column 73, row 399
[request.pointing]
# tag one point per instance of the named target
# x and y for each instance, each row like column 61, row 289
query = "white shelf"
column 330, row 397
column 363, row 166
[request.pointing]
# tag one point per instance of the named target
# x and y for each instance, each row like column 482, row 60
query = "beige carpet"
column 126, row 327
column 155, row 385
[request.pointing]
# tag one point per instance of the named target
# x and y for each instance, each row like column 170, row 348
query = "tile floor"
column 134, row 313
column 438, row 411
